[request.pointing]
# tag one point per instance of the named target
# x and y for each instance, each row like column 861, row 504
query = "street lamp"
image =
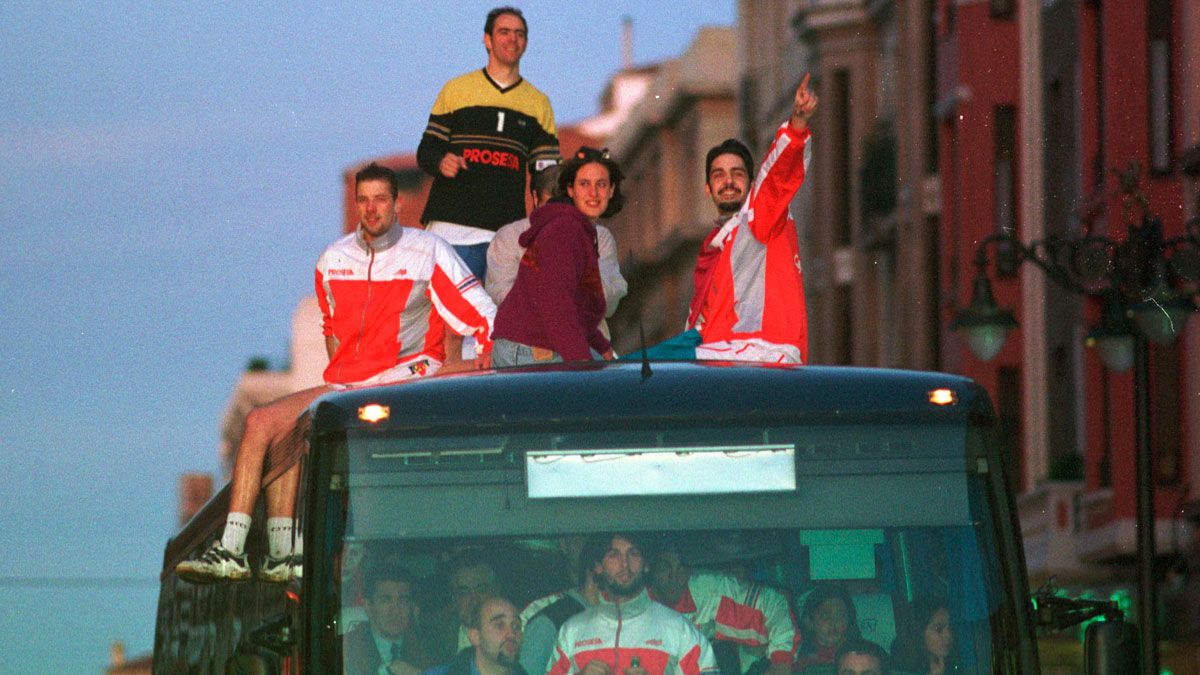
column 1147, row 284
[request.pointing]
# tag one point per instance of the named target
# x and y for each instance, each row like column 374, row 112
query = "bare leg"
column 281, row 494
column 264, row 425
column 454, row 347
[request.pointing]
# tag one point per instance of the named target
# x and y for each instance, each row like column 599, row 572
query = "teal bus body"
column 884, row 484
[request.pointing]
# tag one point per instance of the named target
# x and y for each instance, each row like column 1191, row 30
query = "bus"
column 886, row 485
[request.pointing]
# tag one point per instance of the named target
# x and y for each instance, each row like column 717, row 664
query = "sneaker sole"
column 196, row 577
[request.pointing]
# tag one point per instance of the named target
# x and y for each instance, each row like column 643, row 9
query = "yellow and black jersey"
column 501, row 132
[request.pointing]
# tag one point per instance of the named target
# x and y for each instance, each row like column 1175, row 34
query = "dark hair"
column 818, row 597
column 386, row 572
column 730, row 146
column 490, row 23
column 584, row 156
column 374, row 171
column 857, row 645
column 598, row 545
column 908, row 650
column 546, row 180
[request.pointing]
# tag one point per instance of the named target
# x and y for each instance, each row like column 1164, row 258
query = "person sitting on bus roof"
column 384, row 644
column 827, row 621
column 554, row 309
column 749, row 284
column 652, row 638
column 495, row 640
column 750, row 625
column 859, row 656
column 472, row 579
column 543, row 617
column 505, row 252
column 385, row 293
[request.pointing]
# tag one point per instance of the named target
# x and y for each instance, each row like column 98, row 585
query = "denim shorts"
column 509, row 353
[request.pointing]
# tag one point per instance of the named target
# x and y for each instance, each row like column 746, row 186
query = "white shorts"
column 754, row 349
column 412, row 368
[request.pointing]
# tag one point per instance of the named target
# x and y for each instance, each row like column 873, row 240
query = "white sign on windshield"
column 660, row 471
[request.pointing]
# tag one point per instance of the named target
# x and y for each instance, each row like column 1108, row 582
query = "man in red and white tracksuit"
column 628, row 633
column 752, row 306
column 751, row 622
column 387, row 294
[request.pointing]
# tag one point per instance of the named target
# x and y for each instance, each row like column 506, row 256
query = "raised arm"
column 782, row 170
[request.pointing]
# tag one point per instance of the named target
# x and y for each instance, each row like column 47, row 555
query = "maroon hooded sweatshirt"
column 557, row 301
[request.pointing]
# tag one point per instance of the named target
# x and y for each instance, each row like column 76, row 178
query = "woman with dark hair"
column 554, row 309
column 827, row 621
column 926, row 644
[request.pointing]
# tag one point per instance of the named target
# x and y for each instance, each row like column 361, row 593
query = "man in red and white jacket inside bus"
column 752, row 306
column 386, row 293
column 628, row 633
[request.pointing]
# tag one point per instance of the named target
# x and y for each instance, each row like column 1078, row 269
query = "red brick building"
column 1039, row 104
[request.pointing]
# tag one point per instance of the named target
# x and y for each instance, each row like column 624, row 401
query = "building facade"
column 688, row 106
column 1044, row 107
column 868, row 216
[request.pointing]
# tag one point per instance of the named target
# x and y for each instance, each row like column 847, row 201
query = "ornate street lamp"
column 1148, row 284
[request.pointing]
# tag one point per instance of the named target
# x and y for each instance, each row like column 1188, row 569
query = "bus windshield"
column 780, row 543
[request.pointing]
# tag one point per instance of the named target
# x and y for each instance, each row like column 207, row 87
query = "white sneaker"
column 281, row 570
column 216, row 564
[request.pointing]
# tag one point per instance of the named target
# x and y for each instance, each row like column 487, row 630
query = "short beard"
column 506, row 660
column 729, row 208
column 628, row 590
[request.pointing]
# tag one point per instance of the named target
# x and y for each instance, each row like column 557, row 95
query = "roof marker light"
column 943, row 397
column 374, row 413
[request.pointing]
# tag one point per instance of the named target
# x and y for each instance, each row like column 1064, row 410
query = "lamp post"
column 1147, row 284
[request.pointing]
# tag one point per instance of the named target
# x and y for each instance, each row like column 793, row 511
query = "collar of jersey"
column 630, row 608
column 502, row 90
column 388, row 240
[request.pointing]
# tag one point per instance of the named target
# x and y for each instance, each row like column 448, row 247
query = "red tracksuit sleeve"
column 323, row 302
column 779, row 177
column 460, row 299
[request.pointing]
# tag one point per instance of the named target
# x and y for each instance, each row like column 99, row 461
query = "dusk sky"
column 169, row 173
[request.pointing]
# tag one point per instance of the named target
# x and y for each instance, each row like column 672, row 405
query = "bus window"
column 878, row 518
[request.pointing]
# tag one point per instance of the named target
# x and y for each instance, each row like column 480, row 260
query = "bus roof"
column 617, row 392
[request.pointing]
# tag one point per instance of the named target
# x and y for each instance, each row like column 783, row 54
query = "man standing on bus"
column 386, row 292
column 749, row 301
column 487, row 131
column 627, row 633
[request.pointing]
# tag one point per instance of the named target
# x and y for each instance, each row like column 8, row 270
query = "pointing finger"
column 804, row 82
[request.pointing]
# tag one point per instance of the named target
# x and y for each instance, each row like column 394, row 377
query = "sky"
column 169, row 173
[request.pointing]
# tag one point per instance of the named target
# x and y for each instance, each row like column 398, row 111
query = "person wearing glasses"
column 554, row 309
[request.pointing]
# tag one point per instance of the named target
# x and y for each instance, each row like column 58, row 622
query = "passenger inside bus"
column 494, row 632
column 749, row 624
column 826, row 622
column 387, row 641
column 926, row 645
column 861, row 657
column 838, row 601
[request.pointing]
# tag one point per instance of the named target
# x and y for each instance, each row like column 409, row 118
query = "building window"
column 1004, row 177
column 842, row 158
column 1002, row 9
column 844, row 311
column 1159, row 57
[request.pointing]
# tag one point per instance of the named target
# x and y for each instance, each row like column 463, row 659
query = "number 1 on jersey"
column 500, row 120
